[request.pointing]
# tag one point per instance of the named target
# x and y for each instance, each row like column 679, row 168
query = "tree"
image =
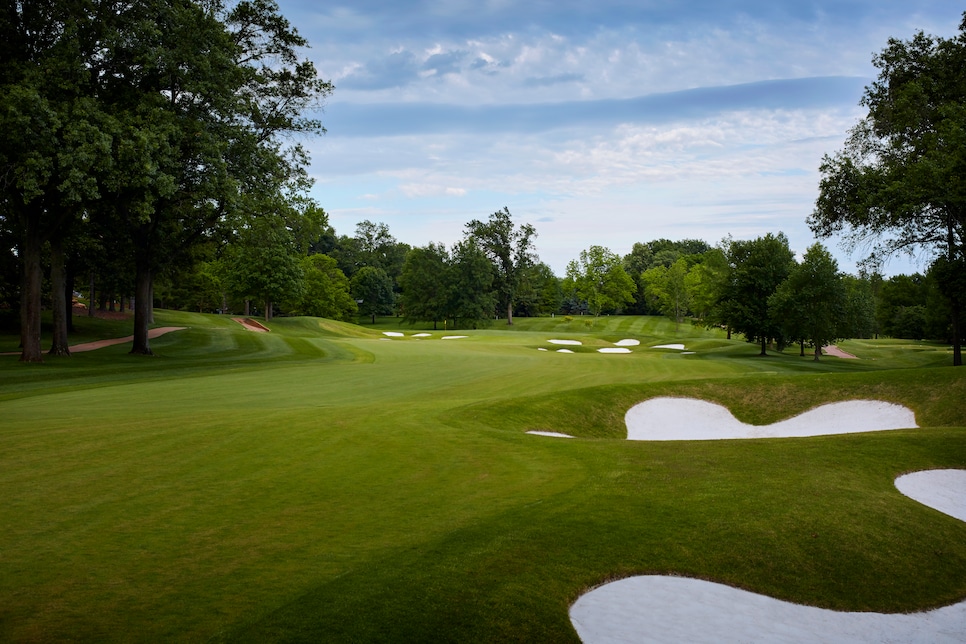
column 509, row 248
column 327, row 291
column 372, row 288
column 52, row 136
column 667, row 285
column 705, row 283
column 859, row 307
column 599, row 278
column 811, row 305
column 425, row 284
column 264, row 265
column 757, row 268
column 900, row 181
column 159, row 118
column 472, row 300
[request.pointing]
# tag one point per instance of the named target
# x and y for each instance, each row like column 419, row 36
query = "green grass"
column 323, row 482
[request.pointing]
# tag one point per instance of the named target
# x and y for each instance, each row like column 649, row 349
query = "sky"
column 604, row 122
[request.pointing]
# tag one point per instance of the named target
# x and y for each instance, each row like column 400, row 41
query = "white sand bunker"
column 627, row 343
column 454, row 337
column 614, row 350
column 393, row 334
column 571, row 342
column 537, row 432
column 422, row 335
column 943, row 490
column 564, row 351
column 680, row 609
column 678, row 347
column 660, row 419
column 655, row 608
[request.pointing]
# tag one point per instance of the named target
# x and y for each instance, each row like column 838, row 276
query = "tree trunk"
column 69, row 296
column 818, row 351
column 764, row 343
column 30, row 297
column 90, row 300
column 142, row 308
column 509, row 312
column 268, row 310
column 801, row 344
column 957, row 334
column 248, row 307
column 58, row 301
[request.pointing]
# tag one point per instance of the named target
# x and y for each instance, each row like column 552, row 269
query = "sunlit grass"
column 323, row 482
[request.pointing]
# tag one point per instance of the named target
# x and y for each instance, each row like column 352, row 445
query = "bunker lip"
column 674, row 608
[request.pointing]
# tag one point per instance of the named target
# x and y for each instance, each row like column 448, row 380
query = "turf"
column 323, row 482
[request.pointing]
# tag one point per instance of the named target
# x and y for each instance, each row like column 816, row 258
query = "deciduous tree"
column 757, row 268
column 510, row 249
column 900, row 182
column 598, row 277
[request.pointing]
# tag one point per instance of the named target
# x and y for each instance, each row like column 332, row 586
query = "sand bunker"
column 661, row 419
column 564, row 351
column 678, row 347
column 943, row 490
column 251, row 325
column 627, row 343
column 454, row 337
column 393, row 334
column 614, row 350
column 537, row 432
column 832, row 350
column 679, row 609
column 571, row 342
column 657, row 608
column 422, row 335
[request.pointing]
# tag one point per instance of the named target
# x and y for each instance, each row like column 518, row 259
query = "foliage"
column 667, row 287
column 900, row 181
column 705, row 283
column 327, row 291
column 157, row 121
column 263, row 265
column 599, row 279
column 425, row 283
column 509, row 248
column 472, row 300
column 372, row 289
column 810, row 305
column 757, row 268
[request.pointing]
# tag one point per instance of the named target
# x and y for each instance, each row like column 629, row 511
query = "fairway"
column 329, row 482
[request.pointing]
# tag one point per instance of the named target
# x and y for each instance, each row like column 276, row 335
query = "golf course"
column 325, row 481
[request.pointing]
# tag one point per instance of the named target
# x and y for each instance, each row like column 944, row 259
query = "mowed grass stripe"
column 333, row 485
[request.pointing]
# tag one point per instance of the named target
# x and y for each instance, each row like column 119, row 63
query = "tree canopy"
column 157, row 120
column 510, row 248
column 598, row 278
column 899, row 185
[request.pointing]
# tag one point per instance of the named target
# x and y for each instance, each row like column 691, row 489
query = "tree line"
column 145, row 149
column 135, row 134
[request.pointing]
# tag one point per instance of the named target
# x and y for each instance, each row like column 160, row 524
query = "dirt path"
column 100, row 344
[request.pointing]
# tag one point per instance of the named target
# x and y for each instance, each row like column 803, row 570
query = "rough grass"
column 324, row 483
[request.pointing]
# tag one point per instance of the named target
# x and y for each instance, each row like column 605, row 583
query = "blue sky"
column 606, row 122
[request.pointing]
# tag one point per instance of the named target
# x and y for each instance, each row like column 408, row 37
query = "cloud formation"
column 606, row 123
